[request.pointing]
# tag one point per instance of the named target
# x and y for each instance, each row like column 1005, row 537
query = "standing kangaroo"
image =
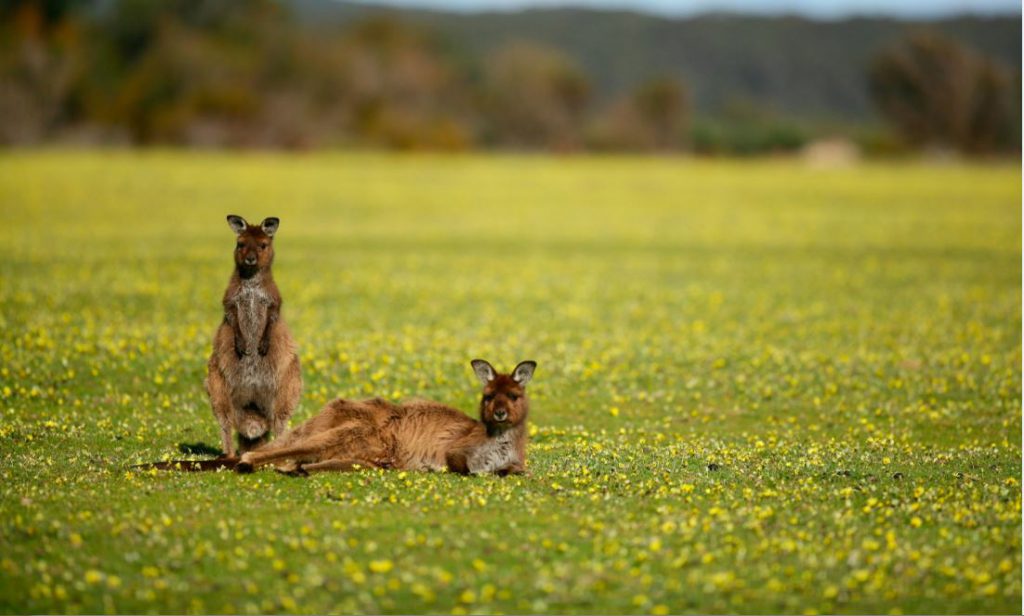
column 253, row 377
column 415, row 435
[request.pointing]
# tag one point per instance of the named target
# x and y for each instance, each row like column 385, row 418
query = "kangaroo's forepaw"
column 512, row 470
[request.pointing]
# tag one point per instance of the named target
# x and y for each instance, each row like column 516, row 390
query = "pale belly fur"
column 496, row 454
column 255, row 378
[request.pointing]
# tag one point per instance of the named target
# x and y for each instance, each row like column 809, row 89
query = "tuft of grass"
column 761, row 388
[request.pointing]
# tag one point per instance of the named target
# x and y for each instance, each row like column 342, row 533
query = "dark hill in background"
column 798, row 67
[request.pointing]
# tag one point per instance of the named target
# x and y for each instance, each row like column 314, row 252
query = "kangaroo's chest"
column 252, row 302
column 494, row 455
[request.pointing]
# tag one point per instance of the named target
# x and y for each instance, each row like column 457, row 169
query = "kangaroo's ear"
column 524, row 372
column 237, row 223
column 269, row 225
column 484, row 371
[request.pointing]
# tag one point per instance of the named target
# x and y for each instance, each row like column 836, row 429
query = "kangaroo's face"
column 254, row 248
column 504, row 403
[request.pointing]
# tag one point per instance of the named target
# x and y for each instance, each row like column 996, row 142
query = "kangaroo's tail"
column 190, row 466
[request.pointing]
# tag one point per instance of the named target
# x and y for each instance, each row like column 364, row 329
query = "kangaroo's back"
column 425, row 431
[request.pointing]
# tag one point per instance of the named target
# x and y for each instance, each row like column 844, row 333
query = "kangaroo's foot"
column 293, row 471
column 245, row 464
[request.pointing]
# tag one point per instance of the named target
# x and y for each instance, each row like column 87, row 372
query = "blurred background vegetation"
column 320, row 73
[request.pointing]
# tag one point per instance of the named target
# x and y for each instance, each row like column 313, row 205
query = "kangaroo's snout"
column 500, row 415
column 250, row 260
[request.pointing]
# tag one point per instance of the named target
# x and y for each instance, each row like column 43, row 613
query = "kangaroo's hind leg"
column 287, row 397
column 220, row 401
column 297, row 446
column 308, row 449
column 347, row 442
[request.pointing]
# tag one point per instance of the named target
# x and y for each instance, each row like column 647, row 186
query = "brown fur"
column 414, row 435
column 253, row 377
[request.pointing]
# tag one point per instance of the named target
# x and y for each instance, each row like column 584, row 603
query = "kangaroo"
column 253, row 377
column 415, row 435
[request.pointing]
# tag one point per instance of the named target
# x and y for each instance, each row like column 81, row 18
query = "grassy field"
column 761, row 387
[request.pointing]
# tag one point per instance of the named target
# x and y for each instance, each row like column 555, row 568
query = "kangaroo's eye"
column 513, row 397
column 488, row 397
column 240, row 246
column 263, row 246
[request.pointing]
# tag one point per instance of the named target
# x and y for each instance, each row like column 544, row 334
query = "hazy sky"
column 814, row 8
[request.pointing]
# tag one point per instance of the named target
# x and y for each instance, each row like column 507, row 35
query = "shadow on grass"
column 221, row 461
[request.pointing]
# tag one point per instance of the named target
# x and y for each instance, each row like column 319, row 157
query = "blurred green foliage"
column 744, row 129
column 259, row 74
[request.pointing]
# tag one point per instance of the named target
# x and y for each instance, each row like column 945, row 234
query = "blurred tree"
column 663, row 105
column 534, row 96
column 936, row 92
column 38, row 14
column 192, row 71
column 40, row 63
column 396, row 88
column 652, row 117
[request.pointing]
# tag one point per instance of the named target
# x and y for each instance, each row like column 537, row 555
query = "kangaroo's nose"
column 501, row 414
column 250, row 260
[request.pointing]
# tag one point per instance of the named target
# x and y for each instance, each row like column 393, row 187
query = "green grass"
column 761, row 387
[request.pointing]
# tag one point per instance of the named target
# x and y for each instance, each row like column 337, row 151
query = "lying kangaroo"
column 415, row 435
column 253, row 377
